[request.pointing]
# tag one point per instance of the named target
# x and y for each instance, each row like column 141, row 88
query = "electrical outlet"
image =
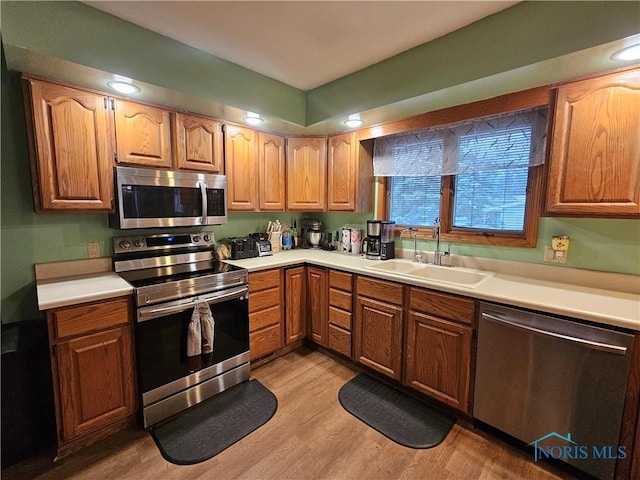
column 94, row 249
column 551, row 256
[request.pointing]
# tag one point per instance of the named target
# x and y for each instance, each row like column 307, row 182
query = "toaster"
column 243, row 247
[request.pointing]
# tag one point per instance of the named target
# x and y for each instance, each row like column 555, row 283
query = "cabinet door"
column 143, row 134
column 307, row 174
column 241, row 156
column 272, row 172
column 317, row 304
column 378, row 336
column 71, row 147
column 198, row 143
column 96, row 381
column 296, row 302
column 439, row 359
column 342, row 172
column 594, row 165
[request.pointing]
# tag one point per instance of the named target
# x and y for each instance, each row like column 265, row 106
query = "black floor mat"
column 397, row 416
column 208, row 428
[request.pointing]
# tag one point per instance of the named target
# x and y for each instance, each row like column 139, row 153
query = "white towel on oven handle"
column 208, row 324
column 194, row 336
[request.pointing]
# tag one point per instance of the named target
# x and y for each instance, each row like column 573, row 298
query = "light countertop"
column 601, row 305
column 608, row 307
column 59, row 284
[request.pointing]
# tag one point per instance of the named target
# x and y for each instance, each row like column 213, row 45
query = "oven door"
column 148, row 198
column 161, row 343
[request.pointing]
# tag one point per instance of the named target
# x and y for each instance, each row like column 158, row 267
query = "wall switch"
column 554, row 256
column 94, row 249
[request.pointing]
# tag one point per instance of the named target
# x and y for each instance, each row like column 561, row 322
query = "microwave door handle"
column 203, row 197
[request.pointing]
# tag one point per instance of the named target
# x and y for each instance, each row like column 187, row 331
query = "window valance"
column 496, row 142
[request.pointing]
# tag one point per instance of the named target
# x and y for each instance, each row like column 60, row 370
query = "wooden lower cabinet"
column 340, row 312
column 317, row 305
column 439, row 346
column 438, row 354
column 378, row 329
column 266, row 316
column 93, row 372
column 296, row 304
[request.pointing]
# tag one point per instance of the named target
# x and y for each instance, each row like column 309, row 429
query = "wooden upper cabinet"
column 307, row 174
column 198, row 144
column 143, row 134
column 350, row 174
column 272, row 171
column 594, row 164
column 241, row 157
column 71, row 146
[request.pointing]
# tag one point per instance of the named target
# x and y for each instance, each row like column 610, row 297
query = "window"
column 482, row 177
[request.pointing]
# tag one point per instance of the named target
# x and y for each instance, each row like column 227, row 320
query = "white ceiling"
column 304, row 44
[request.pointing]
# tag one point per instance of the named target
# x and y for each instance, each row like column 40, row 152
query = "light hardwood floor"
column 310, row 437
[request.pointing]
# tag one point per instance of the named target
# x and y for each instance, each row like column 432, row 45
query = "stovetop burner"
column 170, row 266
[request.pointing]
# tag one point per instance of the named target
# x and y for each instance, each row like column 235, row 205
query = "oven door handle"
column 149, row 313
column 203, row 198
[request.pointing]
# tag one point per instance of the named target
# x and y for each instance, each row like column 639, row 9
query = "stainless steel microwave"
column 150, row 198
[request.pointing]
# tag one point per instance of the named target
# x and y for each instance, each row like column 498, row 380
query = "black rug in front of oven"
column 208, row 428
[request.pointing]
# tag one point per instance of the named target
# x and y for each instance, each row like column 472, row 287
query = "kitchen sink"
column 453, row 275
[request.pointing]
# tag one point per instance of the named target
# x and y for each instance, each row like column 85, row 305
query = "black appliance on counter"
column 171, row 274
column 243, row 247
column 263, row 244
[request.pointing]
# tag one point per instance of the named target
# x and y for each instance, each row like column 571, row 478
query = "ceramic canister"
column 346, row 239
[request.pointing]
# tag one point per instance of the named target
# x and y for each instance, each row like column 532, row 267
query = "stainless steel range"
column 175, row 276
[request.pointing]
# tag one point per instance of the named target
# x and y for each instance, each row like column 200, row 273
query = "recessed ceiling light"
column 253, row 118
column 631, row 52
column 123, row 87
column 353, row 121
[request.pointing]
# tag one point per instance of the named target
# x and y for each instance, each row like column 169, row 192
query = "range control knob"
column 124, row 244
column 196, row 239
column 207, row 238
column 138, row 243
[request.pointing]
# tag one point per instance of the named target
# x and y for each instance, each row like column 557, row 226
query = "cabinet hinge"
column 115, row 157
column 105, row 101
column 113, row 104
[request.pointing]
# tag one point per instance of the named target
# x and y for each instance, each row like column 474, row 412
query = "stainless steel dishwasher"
column 556, row 384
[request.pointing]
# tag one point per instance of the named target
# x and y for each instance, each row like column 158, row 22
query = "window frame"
column 536, row 97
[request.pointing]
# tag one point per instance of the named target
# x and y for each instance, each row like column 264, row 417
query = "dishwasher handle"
column 605, row 347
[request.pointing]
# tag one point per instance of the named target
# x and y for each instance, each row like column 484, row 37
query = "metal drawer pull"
column 605, row 347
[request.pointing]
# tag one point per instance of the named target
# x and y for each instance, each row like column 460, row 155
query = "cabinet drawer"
column 340, row 340
column 340, row 299
column 265, row 341
column 340, row 318
column 264, row 280
column 380, row 290
column 78, row 320
column 341, row 280
column 264, row 299
column 264, row 318
column 461, row 309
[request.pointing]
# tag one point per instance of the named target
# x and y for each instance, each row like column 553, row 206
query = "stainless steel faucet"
column 438, row 254
column 417, row 256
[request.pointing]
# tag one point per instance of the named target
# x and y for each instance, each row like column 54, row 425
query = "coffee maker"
column 371, row 243
column 387, row 245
